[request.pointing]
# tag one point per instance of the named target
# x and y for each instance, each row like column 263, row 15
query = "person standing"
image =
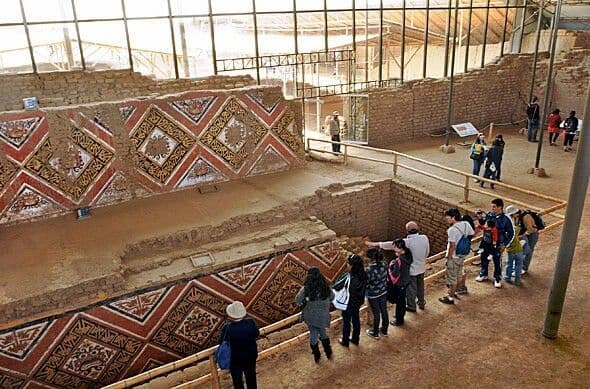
column 400, row 279
column 532, row 116
column 356, row 293
column 505, row 236
column 493, row 161
column 553, row 122
column 241, row 332
column 315, row 297
column 500, row 141
column 335, row 131
column 514, row 250
column 571, row 126
column 478, row 154
column 528, row 231
column 419, row 245
column 377, row 292
column 457, row 230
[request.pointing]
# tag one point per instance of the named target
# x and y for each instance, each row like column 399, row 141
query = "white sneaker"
column 513, row 274
column 481, row 278
column 497, row 284
column 523, row 272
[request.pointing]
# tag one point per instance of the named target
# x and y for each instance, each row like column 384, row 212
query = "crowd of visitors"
column 554, row 124
column 399, row 282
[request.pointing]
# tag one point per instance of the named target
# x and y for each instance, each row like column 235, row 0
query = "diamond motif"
column 161, row 145
column 193, row 109
column 18, row 343
column 202, row 172
column 329, row 252
column 16, row 132
column 90, row 359
column 8, row 170
column 244, row 276
column 270, row 161
column 197, row 325
column 266, row 98
column 126, row 112
column 139, row 307
column 234, row 134
column 285, row 128
column 28, row 204
column 74, row 172
column 118, row 190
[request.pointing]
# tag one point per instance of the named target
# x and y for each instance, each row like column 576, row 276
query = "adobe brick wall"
column 78, row 87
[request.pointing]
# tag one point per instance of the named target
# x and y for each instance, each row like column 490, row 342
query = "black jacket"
column 494, row 155
column 242, row 340
column 356, row 291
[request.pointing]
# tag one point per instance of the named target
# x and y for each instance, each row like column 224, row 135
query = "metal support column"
column 468, row 36
column 127, row 34
column 403, row 53
column 571, row 228
column 174, row 57
column 447, row 36
column 380, row 42
column 485, row 35
column 549, row 80
column 521, row 30
column 82, row 60
column 536, row 54
column 425, row 59
column 212, row 31
column 26, row 26
column 452, row 79
column 504, row 31
column 325, row 27
column 256, row 49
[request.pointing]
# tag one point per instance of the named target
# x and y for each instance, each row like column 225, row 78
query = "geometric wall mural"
column 165, row 144
column 96, row 346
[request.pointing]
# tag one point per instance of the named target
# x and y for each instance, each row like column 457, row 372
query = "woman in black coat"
column 493, row 161
column 356, row 289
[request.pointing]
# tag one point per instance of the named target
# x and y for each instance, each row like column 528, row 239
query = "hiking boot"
column 315, row 350
column 372, row 334
column 462, row 290
column 446, row 300
column 327, row 347
column 481, row 278
column 497, row 284
column 343, row 342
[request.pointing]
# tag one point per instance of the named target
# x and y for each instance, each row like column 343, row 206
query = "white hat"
column 336, row 113
column 511, row 210
column 236, row 310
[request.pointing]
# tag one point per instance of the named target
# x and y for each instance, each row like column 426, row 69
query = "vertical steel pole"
column 447, row 36
column 522, row 21
column 78, row 36
column 504, row 31
column 256, row 49
column 571, row 229
column 127, row 34
column 212, row 31
column 485, row 35
column 403, row 53
column 468, row 36
column 549, row 83
column 28, row 34
column 325, row 28
column 536, row 54
column 174, row 57
column 426, row 20
column 452, row 78
column 380, row 42
column 366, row 40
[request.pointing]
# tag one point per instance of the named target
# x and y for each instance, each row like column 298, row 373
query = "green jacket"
column 515, row 246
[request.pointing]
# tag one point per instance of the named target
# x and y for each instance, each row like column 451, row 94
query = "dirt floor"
column 491, row 337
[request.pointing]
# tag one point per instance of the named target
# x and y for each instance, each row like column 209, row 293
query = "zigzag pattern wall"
column 153, row 146
column 135, row 333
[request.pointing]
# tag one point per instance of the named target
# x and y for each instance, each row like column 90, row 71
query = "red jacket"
column 553, row 122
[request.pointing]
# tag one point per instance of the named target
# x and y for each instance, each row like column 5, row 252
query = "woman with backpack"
column 399, row 279
column 315, row 297
column 493, row 161
column 377, row 292
column 356, row 293
column 478, row 154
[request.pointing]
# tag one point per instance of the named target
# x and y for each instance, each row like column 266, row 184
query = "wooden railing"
column 208, row 354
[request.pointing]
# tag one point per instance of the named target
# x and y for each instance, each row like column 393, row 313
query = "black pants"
column 379, row 308
column 336, row 148
column 416, row 290
column 239, row 370
column 400, row 303
column 553, row 137
column 351, row 315
column 485, row 262
column 569, row 139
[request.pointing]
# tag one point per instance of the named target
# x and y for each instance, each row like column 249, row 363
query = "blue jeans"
column 379, row 308
column 477, row 166
column 315, row 333
column 528, row 256
column 514, row 263
column 532, row 127
column 351, row 315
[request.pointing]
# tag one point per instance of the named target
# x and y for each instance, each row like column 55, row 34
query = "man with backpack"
column 505, row 236
column 530, row 224
column 532, row 119
column 458, row 247
column 570, row 126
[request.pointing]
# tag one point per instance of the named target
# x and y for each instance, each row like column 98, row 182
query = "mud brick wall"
column 419, row 107
column 55, row 160
column 78, row 87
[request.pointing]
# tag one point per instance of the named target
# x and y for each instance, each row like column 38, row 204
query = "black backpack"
column 539, row 222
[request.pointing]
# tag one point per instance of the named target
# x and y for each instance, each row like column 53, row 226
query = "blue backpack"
column 463, row 245
column 223, row 352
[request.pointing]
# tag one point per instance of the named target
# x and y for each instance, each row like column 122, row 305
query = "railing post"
column 466, row 189
column 491, row 132
column 345, row 154
column 395, row 165
column 214, row 373
column 308, row 141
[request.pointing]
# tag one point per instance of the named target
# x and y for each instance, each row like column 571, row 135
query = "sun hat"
column 335, row 113
column 511, row 210
column 236, row 310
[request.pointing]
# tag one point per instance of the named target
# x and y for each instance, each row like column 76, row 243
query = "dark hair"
column 573, row 113
column 535, row 99
column 401, row 244
column 491, row 223
column 498, row 203
column 467, row 218
column 555, row 111
column 499, row 136
column 357, row 268
column 375, row 254
column 316, row 287
column 452, row 212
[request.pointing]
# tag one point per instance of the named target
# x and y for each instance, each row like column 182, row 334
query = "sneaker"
column 422, row 306
column 512, row 274
column 462, row 290
column 372, row 334
column 409, row 309
column 342, row 342
column 523, row 272
column 383, row 334
column 497, row 284
column 446, row 300
column 481, row 278
column 396, row 323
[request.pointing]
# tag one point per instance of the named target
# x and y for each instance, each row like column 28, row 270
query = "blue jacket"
column 505, row 228
column 242, row 340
